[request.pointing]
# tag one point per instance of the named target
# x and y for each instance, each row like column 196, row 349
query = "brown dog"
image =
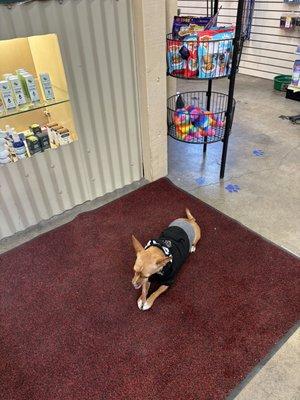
column 162, row 258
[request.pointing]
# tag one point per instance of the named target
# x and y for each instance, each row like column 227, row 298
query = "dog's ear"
column 163, row 261
column 136, row 244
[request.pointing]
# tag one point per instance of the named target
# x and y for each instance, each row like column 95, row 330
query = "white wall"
column 271, row 50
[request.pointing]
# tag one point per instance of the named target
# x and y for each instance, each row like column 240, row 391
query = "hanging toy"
column 184, row 52
column 179, row 102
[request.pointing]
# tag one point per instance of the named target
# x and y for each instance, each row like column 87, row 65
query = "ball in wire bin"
column 190, row 121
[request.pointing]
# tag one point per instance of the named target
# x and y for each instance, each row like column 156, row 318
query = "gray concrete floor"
column 269, row 198
column 268, row 201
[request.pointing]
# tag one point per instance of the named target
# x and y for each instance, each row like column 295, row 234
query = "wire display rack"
column 205, row 59
column 192, row 124
column 205, row 117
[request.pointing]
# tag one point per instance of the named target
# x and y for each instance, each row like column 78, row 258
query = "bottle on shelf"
column 19, row 147
column 4, row 152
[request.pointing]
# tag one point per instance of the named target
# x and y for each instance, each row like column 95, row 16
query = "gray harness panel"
column 187, row 227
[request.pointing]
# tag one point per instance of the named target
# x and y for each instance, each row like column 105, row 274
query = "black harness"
column 174, row 243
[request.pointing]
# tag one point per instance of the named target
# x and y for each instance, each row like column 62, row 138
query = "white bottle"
column 4, row 152
column 18, row 145
column 9, row 137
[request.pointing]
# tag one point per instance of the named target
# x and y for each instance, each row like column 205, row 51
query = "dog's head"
column 147, row 263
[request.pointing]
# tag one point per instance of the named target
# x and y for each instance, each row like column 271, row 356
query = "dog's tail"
column 189, row 215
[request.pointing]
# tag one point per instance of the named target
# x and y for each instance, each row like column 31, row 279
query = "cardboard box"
column 7, row 95
column 28, row 84
column 17, row 90
column 47, row 86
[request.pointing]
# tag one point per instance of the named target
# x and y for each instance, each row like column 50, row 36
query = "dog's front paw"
column 146, row 306
column 143, row 305
column 140, row 303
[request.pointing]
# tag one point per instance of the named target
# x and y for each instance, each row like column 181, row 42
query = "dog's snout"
column 136, row 285
column 136, row 282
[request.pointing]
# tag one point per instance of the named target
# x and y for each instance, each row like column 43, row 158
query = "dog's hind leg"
column 196, row 227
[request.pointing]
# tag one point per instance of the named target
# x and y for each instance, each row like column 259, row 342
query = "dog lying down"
column 162, row 258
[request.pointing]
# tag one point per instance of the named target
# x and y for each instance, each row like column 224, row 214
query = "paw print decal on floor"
column 258, row 152
column 200, row 181
column 232, row 188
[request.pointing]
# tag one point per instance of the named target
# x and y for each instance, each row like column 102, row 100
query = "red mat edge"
column 255, row 370
column 80, row 215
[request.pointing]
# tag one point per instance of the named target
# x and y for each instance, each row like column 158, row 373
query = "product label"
column 7, row 95
column 18, row 91
column 47, row 87
column 33, row 93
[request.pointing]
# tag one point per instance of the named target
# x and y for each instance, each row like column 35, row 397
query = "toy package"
column 186, row 28
column 182, row 58
column 191, row 68
column 182, row 52
column 176, row 63
column 215, row 52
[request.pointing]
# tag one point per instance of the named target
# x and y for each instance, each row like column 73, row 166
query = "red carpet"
column 71, row 330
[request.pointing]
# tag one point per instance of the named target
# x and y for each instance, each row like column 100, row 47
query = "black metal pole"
column 208, row 99
column 216, row 6
column 234, row 66
column 213, row 11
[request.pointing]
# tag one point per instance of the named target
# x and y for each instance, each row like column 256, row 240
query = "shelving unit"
column 223, row 110
column 36, row 55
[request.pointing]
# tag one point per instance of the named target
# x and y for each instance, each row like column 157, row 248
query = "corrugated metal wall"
column 96, row 39
column 271, row 50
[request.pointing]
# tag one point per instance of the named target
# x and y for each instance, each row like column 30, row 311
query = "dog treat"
column 52, row 124
column 64, row 136
column 43, row 137
column 33, row 144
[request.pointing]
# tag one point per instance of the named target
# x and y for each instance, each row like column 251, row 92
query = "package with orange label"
column 192, row 59
column 188, row 26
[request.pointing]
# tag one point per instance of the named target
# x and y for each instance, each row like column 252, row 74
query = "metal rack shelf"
column 208, row 102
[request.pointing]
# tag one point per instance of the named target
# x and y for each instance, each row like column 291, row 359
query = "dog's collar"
column 164, row 249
